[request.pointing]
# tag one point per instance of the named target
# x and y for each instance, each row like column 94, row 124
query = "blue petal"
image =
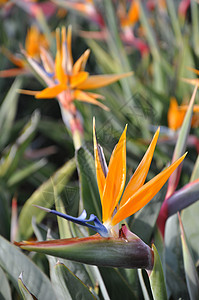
column 81, row 220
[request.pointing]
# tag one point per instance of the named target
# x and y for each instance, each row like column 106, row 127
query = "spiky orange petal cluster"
column 137, row 194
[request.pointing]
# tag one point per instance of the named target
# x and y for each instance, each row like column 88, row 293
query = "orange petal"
column 185, row 107
column 132, row 16
column 138, row 178
column 98, row 166
column 174, row 116
column 96, row 96
column 97, row 81
column 194, row 81
column 85, row 97
column 193, row 70
column 51, row 92
column 144, row 194
column 59, row 71
column 77, row 79
column 81, row 62
column 32, row 41
column 115, row 179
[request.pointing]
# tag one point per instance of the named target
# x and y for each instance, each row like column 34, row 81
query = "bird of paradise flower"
column 68, row 81
column 111, row 181
column 34, row 40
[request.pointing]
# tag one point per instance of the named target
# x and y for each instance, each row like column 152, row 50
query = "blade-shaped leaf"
column 5, row 291
column 14, row 152
column 117, row 284
column 25, row 172
column 14, row 262
column 44, row 196
column 8, row 111
column 176, row 285
column 190, row 269
column 26, row 294
column 60, row 289
column 64, row 228
column 195, row 172
column 77, row 289
column 156, row 278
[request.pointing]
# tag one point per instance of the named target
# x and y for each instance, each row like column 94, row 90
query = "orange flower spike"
column 59, row 72
column 34, row 40
column 98, row 81
column 89, row 98
column 177, row 113
column 115, row 180
column 69, row 78
column 174, row 116
column 77, row 79
column 99, row 171
column 139, row 176
column 80, row 64
column 133, row 15
column 144, row 194
column 50, row 92
column 194, row 70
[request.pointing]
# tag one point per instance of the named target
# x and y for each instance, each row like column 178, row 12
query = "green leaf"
column 20, row 175
column 88, row 182
column 44, row 196
column 61, row 290
column 174, row 21
column 173, row 259
column 190, row 217
column 118, row 285
column 190, row 221
column 190, row 269
column 14, row 152
column 195, row 172
column 8, row 112
column 77, row 289
column 24, row 290
column 156, row 278
column 14, row 262
column 4, row 213
column 64, row 227
column 5, row 292
column 195, row 32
